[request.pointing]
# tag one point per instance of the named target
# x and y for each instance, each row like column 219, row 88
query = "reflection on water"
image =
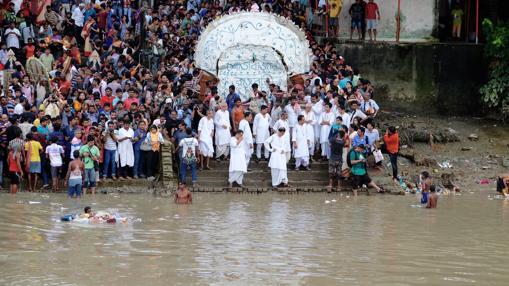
column 255, row 240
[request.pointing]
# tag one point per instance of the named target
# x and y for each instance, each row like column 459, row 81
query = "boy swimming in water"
column 432, row 199
column 183, row 195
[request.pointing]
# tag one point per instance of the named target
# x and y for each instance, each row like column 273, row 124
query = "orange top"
column 238, row 115
column 392, row 142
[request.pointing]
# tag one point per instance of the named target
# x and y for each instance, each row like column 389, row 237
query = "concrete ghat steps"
column 259, row 176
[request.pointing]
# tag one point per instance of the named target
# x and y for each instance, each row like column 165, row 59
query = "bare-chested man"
column 75, row 176
column 503, row 184
column 432, row 199
column 183, row 195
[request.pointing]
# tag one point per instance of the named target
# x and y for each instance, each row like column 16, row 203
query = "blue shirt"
column 141, row 134
column 44, row 131
column 60, row 135
column 230, row 100
column 357, row 140
column 342, row 83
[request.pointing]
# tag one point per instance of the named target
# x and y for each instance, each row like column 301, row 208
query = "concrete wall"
column 418, row 19
column 421, row 77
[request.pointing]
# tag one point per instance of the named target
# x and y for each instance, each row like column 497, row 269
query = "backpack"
column 348, row 160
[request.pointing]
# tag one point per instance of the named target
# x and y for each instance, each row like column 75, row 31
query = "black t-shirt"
column 336, row 148
column 357, row 11
column 12, row 131
column 172, row 124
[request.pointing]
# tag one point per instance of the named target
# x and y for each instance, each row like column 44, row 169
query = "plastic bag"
column 378, row 156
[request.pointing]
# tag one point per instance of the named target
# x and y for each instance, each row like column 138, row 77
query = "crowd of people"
column 98, row 114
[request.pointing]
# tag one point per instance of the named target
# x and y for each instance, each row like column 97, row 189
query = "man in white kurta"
column 248, row 135
column 293, row 110
column 261, row 132
column 326, row 121
column 310, row 121
column 277, row 164
column 125, row 148
column 238, row 166
column 222, row 122
column 300, row 141
column 317, row 110
column 284, row 122
column 205, row 135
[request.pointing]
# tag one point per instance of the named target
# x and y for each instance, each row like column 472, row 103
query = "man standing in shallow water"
column 183, row 195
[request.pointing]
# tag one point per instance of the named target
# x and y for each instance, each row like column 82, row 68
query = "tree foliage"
column 495, row 93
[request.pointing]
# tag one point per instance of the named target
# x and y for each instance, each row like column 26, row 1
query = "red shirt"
column 29, row 50
column 106, row 99
column 129, row 101
column 371, row 9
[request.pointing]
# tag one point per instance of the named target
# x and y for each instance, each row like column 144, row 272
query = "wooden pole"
column 398, row 21
column 477, row 22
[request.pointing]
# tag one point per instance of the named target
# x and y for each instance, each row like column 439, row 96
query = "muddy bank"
column 465, row 151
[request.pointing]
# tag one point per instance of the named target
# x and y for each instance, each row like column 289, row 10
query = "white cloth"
column 300, row 137
column 261, row 126
column 221, row 119
column 292, row 112
column 346, row 119
column 125, row 148
column 310, row 119
column 206, row 133
column 325, row 129
column 248, row 139
column 317, row 110
column 222, row 150
column 78, row 16
column 277, row 146
column 237, row 156
column 12, row 37
column 278, row 176
column 286, row 125
column 236, row 176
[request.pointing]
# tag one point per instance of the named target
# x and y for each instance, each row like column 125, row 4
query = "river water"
column 267, row 239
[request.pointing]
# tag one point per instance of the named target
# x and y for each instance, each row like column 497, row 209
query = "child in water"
column 432, row 199
column 425, row 182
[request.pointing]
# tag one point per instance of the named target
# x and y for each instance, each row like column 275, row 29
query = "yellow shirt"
column 36, row 148
column 37, row 122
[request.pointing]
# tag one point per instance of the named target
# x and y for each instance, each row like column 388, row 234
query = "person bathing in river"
column 75, row 176
column 503, row 184
column 183, row 195
column 432, row 199
column 426, row 182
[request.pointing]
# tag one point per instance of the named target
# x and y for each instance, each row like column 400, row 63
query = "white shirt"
column 12, row 37
column 55, row 153
column 78, row 16
column 188, row 145
column 18, row 109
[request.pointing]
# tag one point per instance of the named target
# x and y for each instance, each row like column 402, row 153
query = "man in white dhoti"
column 261, row 131
column 125, row 150
column 222, row 122
column 326, row 121
column 248, row 135
column 300, row 141
column 284, row 122
column 277, row 164
column 205, row 135
column 317, row 110
column 310, row 121
column 238, row 166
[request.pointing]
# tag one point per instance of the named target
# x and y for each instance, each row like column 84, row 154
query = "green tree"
column 495, row 93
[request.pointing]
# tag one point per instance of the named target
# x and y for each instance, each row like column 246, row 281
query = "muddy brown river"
column 267, row 239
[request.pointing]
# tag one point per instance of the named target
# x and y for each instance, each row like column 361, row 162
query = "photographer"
column 109, row 137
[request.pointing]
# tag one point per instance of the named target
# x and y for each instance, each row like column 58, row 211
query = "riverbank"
column 472, row 162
